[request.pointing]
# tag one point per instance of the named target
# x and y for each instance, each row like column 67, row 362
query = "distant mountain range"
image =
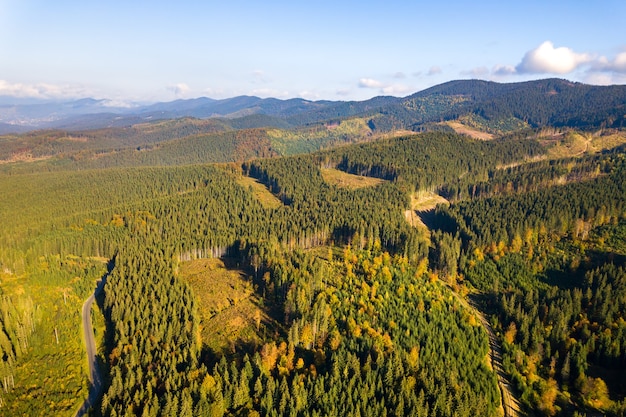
column 490, row 105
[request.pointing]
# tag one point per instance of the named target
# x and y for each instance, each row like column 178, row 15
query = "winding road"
column 95, row 378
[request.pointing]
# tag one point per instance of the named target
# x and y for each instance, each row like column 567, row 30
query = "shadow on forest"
column 575, row 278
column 437, row 221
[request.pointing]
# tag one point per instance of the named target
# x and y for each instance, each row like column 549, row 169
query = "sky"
column 135, row 51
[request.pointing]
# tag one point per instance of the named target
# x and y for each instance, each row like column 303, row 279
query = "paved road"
column 94, row 373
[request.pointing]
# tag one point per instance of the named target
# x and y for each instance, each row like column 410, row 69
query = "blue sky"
column 334, row 50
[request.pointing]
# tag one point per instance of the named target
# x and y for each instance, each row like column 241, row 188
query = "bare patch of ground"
column 230, row 310
column 573, row 143
column 462, row 129
column 260, row 191
column 426, row 200
column 423, row 204
column 24, row 157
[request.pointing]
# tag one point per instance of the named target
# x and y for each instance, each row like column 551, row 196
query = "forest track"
column 510, row 403
column 95, row 378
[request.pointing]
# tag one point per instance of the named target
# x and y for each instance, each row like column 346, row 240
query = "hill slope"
column 297, row 125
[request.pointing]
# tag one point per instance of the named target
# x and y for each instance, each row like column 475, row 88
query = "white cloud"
column 503, row 70
column 343, row 92
column 309, row 95
column 42, row 90
column 546, row 59
column 399, row 75
column 618, row 64
column 370, row 83
column 385, row 88
column 396, row 90
column 180, row 90
column 118, row 103
column 604, row 78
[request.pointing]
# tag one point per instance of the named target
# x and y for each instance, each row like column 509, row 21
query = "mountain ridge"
column 540, row 102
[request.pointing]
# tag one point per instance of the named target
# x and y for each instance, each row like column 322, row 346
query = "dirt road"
column 510, row 404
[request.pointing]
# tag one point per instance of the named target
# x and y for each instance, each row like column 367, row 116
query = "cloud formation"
column 396, row 90
column 370, row 83
column 179, row 90
column 618, row 64
column 385, row 88
column 503, row 70
column 546, row 59
column 42, row 90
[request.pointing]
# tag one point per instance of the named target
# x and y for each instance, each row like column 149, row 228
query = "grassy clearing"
column 260, row 191
column 462, row 129
column 426, row 200
column 422, row 202
column 573, row 143
column 230, row 310
column 310, row 139
column 601, row 142
column 344, row 180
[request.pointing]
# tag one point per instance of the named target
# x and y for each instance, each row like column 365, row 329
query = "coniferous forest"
column 237, row 282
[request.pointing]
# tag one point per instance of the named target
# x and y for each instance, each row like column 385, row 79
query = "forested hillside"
column 345, row 305
column 300, row 126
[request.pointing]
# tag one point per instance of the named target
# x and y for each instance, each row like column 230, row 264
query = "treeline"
column 499, row 107
column 573, row 208
column 367, row 213
column 230, row 146
column 153, row 361
column 558, row 306
column 430, row 160
column 65, row 212
column 532, row 176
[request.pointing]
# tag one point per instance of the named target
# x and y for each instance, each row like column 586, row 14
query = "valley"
column 457, row 252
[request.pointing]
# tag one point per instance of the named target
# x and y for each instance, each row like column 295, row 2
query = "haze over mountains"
column 537, row 103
